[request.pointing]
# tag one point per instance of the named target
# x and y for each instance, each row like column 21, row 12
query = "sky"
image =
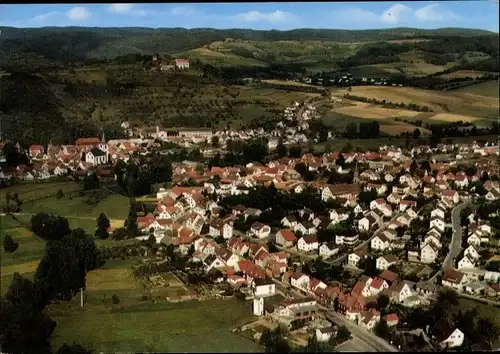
column 280, row 16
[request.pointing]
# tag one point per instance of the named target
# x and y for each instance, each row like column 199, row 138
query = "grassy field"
column 487, row 88
column 485, row 310
column 161, row 327
column 32, row 190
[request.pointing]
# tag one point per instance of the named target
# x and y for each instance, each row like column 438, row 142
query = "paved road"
column 369, row 338
column 456, row 239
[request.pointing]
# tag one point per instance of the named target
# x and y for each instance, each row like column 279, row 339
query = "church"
column 98, row 154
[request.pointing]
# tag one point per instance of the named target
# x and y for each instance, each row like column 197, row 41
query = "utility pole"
column 81, row 297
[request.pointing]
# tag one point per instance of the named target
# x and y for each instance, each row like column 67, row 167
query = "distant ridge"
column 80, row 43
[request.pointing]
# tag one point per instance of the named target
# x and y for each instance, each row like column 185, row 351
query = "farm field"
column 462, row 74
column 487, row 88
column 371, row 111
column 288, row 82
column 449, row 117
column 397, row 128
column 164, row 327
column 440, row 101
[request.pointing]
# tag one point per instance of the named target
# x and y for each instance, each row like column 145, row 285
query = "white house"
column 438, row 212
column 438, row 223
column 466, row 262
column 260, row 230
column 447, row 335
column 263, row 287
column 379, row 242
column 308, row 243
column 428, row 253
column 384, row 262
column 326, row 250
column 454, row 279
column 472, row 252
column 324, row 334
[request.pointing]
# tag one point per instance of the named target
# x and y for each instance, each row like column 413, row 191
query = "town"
column 349, row 256
column 245, row 178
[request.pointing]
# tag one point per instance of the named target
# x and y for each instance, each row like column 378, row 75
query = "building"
column 263, row 287
column 324, row 334
column 308, row 243
column 286, row 238
column 182, row 64
column 447, row 335
column 96, row 157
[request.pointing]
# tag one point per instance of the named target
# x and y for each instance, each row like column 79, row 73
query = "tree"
column 340, row 160
column 381, row 329
column 61, row 272
column 281, row 149
column 102, row 227
column 24, row 329
column 131, row 222
column 9, row 245
column 49, row 227
column 323, row 135
column 90, row 182
column 416, row 133
column 59, row 194
column 115, row 299
column 343, row 334
column 22, row 291
column 382, row 302
column 351, row 130
column 215, row 141
column 73, row 349
column 295, row 151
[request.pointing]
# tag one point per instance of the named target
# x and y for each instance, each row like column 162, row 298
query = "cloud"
column 271, row 17
column 396, row 13
column 183, row 11
column 127, row 9
column 433, row 12
column 45, row 16
column 358, row 15
column 78, row 13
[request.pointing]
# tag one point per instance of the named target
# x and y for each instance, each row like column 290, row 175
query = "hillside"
column 312, row 48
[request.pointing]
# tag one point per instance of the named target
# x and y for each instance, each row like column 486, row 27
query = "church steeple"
column 103, row 138
column 355, row 179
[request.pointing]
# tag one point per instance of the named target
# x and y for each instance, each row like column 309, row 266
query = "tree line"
column 68, row 256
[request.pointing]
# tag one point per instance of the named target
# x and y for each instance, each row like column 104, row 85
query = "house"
column 366, row 223
column 326, row 250
column 386, row 261
column 466, row 262
column 399, row 291
column 347, row 191
column 324, row 334
column 450, row 195
column 429, row 253
column 369, row 319
column 439, row 212
column 348, row 239
column 379, row 242
column 286, row 238
column 389, row 276
column 476, row 288
column 426, row 288
column 354, row 258
column 446, row 335
column 472, row 252
column 377, row 285
column 289, row 221
column 308, row 243
column 260, row 230
column 391, row 319
column 299, row 280
column 96, row 157
column 351, row 304
column 454, row 279
column 263, row 287
column 437, row 223
column 182, row 64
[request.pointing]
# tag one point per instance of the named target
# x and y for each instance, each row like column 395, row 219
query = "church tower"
column 355, row 179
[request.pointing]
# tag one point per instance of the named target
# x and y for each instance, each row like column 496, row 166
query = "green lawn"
column 162, row 327
column 339, row 120
column 34, row 190
column 114, row 206
column 487, row 88
column 485, row 310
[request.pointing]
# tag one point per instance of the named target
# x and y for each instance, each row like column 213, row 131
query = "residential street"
column 456, row 239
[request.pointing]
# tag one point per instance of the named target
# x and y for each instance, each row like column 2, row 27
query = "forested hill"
column 68, row 44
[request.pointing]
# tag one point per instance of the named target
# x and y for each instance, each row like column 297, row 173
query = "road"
column 368, row 338
column 456, row 238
